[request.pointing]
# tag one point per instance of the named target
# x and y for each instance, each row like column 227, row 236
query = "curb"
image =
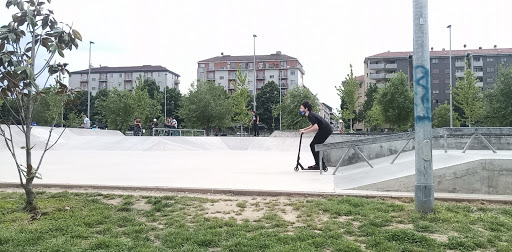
column 454, row 197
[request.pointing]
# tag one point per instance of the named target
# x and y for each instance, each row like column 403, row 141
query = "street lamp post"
column 89, row 84
column 165, row 99
column 254, row 73
column 451, row 77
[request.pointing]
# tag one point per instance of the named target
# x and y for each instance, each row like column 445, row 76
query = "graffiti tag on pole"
column 422, row 91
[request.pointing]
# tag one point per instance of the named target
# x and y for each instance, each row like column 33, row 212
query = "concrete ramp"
column 480, row 172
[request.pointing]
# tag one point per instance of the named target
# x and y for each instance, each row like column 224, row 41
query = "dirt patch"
column 400, row 226
column 438, row 237
column 251, row 208
column 114, row 202
column 141, row 204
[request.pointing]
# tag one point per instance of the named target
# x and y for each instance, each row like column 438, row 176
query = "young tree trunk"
column 30, row 204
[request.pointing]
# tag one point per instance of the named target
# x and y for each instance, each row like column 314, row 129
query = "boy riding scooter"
column 318, row 124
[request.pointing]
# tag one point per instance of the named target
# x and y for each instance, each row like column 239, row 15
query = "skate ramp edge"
column 483, row 176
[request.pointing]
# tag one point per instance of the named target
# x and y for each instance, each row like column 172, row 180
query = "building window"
column 435, row 61
column 447, row 70
column 435, row 91
column 489, row 79
column 490, row 69
column 128, row 76
column 93, row 79
column 271, row 76
column 120, row 75
column 221, row 77
column 490, row 59
column 435, row 81
column 435, row 101
column 459, row 60
column 459, row 70
column 478, row 69
column 111, row 75
column 201, row 65
column 93, row 88
column 260, row 65
column 503, row 59
column 435, row 70
column 283, row 64
column 477, row 59
column 447, row 81
column 250, row 65
column 119, row 84
column 292, row 72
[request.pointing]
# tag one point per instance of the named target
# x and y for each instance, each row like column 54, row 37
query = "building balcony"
column 260, row 77
column 103, row 78
column 460, row 64
column 377, row 76
column 388, row 76
column 376, row 66
column 479, row 74
column 210, row 78
column 459, row 74
column 176, row 81
column 478, row 63
column 128, row 77
column 479, row 84
column 283, row 76
column 391, row 66
column 84, row 79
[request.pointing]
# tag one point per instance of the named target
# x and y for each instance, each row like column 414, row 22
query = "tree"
column 117, row 109
column 267, row 99
column 396, row 101
column 150, row 86
column 145, row 108
column 442, row 117
column 371, row 94
column 32, row 27
column 498, row 102
column 374, row 119
column 206, row 105
column 348, row 93
column 469, row 97
column 292, row 120
column 239, row 100
column 173, row 103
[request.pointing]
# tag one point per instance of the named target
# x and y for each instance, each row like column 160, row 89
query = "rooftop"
column 128, row 69
column 249, row 58
column 492, row 51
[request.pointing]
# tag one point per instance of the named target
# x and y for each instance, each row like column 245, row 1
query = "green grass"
column 107, row 222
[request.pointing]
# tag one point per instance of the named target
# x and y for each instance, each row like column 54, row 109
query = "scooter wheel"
column 296, row 169
column 325, row 169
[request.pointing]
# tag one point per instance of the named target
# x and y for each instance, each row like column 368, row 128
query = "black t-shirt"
column 255, row 118
column 323, row 125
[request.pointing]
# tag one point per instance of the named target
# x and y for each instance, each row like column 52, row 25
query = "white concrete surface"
column 93, row 157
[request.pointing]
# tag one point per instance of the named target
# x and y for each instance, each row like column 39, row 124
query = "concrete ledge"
column 453, row 197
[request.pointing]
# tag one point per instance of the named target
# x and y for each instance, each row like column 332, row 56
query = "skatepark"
column 103, row 158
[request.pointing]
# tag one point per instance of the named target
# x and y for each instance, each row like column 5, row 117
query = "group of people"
column 169, row 123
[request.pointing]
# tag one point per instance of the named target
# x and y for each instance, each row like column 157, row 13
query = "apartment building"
column 484, row 63
column 326, row 112
column 284, row 70
column 122, row 78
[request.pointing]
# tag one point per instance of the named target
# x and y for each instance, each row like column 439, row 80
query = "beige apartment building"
column 284, row 70
column 122, row 78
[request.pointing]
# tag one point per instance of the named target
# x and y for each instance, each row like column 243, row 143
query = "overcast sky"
column 326, row 36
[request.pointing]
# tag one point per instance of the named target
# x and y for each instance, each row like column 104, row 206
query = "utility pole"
column 89, row 84
column 451, row 77
column 254, row 72
column 424, row 185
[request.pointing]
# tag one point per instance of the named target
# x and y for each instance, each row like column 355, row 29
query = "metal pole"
column 254, row 72
column 88, row 84
column 424, row 186
column 165, row 99
column 451, row 108
column 280, row 91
